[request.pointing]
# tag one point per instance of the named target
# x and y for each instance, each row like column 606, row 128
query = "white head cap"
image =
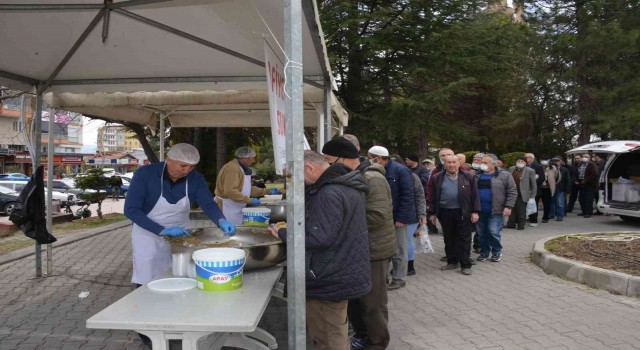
column 245, row 152
column 184, row 152
column 379, row 151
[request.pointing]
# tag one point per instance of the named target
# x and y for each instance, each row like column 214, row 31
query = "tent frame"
column 294, row 10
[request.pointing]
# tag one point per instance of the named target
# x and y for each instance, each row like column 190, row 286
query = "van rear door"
column 607, row 147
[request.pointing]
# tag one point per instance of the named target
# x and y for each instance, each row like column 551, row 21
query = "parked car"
column 8, row 200
column 17, row 186
column 620, row 179
column 69, row 186
column 123, row 189
column 14, row 177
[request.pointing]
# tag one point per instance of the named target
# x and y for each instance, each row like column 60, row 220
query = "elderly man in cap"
column 336, row 245
column 159, row 201
column 234, row 189
column 369, row 315
column 400, row 181
column 526, row 187
column 429, row 164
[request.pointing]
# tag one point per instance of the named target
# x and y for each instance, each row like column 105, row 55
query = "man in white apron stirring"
column 159, row 201
column 233, row 185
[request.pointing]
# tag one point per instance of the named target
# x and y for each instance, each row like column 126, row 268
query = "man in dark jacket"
column 573, row 171
column 400, row 181
column 337, row 248
column 455, row 202
column 422, row 172
column 587, row 182
column 369, row 315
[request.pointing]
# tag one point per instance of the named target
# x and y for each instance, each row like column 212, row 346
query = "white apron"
column 151, row 253
column 233, row 210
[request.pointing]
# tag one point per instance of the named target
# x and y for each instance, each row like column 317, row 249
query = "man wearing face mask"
column 525, row 180
column 475, row 165
column 587, row 181
column 531, row 163
column 497, row 191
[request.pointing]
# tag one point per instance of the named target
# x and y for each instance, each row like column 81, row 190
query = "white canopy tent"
column 198, row 62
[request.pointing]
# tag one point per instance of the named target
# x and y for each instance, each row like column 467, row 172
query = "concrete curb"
column 612, row 281
column 24, row 252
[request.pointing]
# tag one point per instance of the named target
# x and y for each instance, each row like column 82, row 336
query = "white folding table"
column 213, row 319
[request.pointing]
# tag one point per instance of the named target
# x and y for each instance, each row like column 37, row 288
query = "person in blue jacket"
column 159, row 201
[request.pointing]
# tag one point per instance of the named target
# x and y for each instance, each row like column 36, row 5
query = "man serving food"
column 159, row 201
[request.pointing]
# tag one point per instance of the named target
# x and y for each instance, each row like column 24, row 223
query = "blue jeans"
column 411, row 229
column 489, row 227
column 557, row 204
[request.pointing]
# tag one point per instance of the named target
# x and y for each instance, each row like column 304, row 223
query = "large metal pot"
column 261, row 248
column 278, row 211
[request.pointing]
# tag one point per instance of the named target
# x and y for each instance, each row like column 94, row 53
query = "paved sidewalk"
column 512, row 304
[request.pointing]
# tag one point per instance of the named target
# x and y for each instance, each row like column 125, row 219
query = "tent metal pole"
column 161, row 136
column 320, row 138
column 296, row 293
column 36, row 135
column 326, row 108
column 316, row 79
column 50, row 165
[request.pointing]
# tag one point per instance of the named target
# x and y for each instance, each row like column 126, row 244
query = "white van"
column 620, row 179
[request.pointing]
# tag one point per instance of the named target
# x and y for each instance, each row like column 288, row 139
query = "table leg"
column 240, row 340
column 265, row 337
column 158, row 341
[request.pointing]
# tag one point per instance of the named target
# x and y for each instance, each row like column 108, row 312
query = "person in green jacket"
column 369, row 315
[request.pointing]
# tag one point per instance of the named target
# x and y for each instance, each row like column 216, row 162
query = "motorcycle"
column 81, row 213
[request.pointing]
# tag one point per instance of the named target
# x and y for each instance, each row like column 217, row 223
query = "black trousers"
column 518, row 217
column 457, row 236
column 573, row 197
column 546, row 203
column 586, row 195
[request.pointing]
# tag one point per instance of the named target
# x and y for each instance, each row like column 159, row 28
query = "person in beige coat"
column 525, row 179
column 233, row 186
column 548, row 188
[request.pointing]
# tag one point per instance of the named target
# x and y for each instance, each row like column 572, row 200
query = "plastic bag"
column 423, row 243
column 532, row 208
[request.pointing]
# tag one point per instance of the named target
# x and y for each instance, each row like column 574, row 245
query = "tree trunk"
column 221, row 148
column 582, row 78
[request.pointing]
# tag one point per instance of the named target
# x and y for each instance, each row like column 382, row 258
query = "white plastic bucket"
column 256, row 216
column 219, row 269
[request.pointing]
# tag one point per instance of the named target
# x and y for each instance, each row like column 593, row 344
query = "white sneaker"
column 533, row 225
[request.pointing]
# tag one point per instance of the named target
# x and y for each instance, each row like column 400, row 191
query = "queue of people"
column 362, row 214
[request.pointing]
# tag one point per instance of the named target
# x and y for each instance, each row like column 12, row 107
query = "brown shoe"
column 395, row 285
column 449, row 267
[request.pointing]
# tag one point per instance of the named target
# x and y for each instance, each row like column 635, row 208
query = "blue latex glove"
column 255, row 201
column 174, row 231
column 228, row 228
column 274, row 191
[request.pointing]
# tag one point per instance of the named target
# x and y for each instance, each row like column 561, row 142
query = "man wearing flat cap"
column 526, row 187
column 369, row 314
column 159, row 201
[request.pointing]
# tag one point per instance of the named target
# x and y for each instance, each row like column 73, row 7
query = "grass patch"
column 554, row 244
column 18, row 240
column 88, row 223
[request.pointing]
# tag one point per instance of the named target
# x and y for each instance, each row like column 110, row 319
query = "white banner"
column 275, row 86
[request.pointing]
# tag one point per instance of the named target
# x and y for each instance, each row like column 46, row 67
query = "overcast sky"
column 90, row 131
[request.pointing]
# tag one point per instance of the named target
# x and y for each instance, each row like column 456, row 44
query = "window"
column 17, row 126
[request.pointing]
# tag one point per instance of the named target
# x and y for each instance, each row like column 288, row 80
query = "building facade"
column 116, row 138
